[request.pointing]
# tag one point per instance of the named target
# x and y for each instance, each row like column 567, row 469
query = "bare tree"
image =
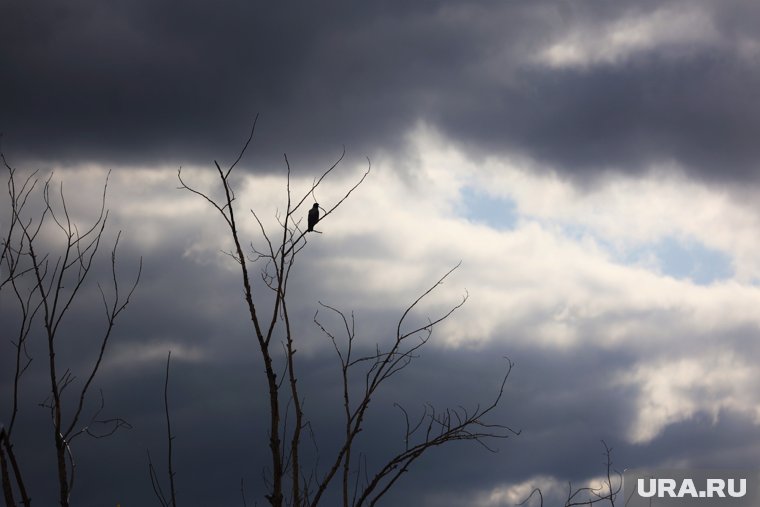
column 290, row 482
column 45, row 283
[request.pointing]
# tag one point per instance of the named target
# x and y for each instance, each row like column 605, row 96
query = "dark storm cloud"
column 178, row 81
column 142, row 82
column 700, row 112
column 219, row 415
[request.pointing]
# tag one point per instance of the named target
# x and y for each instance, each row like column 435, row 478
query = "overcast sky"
column 594, row 165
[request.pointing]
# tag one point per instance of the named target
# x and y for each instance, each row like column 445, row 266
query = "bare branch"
column 434, row 428
column 169, row 436
column 606, row 492
column 245, row 147
column 45, row 286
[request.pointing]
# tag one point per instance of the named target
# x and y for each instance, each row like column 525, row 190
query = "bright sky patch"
column 497, row 212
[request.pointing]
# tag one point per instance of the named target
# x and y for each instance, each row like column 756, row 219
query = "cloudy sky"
column 594, row 165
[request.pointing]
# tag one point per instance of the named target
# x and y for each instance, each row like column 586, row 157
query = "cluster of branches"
column 290, row 482
column 606, row 493
column 44, row 283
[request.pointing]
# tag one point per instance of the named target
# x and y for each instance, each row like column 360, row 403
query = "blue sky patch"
column 693, row 260
column 680, row 258
column 496, row 212
column 685, row 259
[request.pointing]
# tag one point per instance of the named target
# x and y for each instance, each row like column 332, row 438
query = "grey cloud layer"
column 180, row 83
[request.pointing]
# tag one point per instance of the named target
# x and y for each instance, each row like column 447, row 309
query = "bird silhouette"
column 313, row 216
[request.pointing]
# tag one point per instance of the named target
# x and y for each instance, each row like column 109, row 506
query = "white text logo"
column 715, row 488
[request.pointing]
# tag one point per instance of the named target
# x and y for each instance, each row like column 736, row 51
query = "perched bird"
column 313, row 216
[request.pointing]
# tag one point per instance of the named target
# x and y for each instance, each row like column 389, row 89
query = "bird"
column 313, row 216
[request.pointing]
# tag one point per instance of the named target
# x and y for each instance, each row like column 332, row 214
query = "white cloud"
column 673, row 390
column 131, row 355
column 627, row 212
column 684, row 25
column 553, row 491
column 514, row 494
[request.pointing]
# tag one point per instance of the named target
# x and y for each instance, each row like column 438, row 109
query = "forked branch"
column 433, row 428
column 278, row 256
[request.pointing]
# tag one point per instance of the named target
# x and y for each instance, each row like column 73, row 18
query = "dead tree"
column 289, row 483
column 46, row 281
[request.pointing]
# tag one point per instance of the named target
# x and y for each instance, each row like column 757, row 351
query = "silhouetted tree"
column 289, row 482
column 45, row 281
